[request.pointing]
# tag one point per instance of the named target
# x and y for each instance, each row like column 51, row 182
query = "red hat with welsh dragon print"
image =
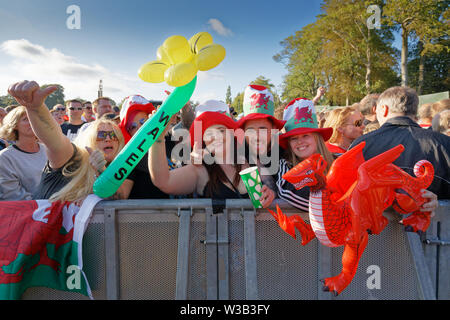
column 258, row 104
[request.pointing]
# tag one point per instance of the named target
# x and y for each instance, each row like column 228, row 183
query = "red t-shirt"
column 334, row 149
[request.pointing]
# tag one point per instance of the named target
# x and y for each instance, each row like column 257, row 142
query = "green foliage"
column 426, row 21
column 56, row 97
column 436, row 69
column 339, row 52
column 7, row 101
column 237, row 103
column 228, row 99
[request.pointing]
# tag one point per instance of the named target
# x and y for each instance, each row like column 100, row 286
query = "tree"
column 421, row 19
column 434, row 74
column 299, row 56
column 339, row 52
column 237, row 103
column 56, row 97
column 228, row 99
column 7, row 101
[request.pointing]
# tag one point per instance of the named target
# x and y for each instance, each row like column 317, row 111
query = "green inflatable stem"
column 118, row 170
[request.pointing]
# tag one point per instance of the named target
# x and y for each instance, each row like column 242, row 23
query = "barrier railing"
column 196, row 249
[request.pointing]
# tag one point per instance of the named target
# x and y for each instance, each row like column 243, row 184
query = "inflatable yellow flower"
column 179, row 60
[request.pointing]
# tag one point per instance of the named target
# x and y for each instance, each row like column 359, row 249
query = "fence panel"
column 183, row 249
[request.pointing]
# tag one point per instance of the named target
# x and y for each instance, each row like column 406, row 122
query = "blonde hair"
column 9, row 131
column 83, row 176
column 336, row 119
column 440, row 106
column 321, row 149
column 444, row 122
column 425, row 111
column 371, row 127
column 96, row 102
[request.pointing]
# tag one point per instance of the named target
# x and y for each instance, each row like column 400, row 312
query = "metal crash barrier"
column 195, row 249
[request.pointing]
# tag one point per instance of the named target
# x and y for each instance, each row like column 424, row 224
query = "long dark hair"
column 217, row 175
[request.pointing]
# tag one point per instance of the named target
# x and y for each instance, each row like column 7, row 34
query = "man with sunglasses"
column 75, row 110
column 88, row 114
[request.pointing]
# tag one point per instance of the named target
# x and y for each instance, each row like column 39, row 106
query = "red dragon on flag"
column 39, row 240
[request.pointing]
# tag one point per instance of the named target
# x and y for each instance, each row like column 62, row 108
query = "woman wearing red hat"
column 302, row 138
column 135, row 111
column 213, row 174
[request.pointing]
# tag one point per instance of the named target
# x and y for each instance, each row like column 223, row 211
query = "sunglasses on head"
column 73, row 108
column 101, row 135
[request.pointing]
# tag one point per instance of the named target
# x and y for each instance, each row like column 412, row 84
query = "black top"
column 223, row 192
column 143, row 187
column 2, row 144
column 419, row 143
column 71, row 130
column 53, row 180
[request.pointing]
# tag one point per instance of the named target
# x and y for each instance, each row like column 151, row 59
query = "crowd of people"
column 57, row 153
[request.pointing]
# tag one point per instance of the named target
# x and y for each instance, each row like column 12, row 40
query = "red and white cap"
column 130, row 107
column 209, row 113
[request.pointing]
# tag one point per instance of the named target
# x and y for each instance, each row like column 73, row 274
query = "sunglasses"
column 89, row 108
column 101, row 135
column 134, row 125
column 358, row 123
column 60, row 109
column 73, row 108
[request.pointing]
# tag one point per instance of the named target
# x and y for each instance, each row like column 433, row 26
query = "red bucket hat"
column 211, row 112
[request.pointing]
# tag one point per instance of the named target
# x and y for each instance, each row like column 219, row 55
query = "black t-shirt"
column 2, row 145
column 143, row 187
column 53, row 180
column 71, row 130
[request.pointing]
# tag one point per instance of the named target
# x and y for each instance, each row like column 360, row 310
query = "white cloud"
column 218, row 27
column 31, row 61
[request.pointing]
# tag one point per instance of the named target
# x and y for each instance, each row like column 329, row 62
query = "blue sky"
column 117, row 37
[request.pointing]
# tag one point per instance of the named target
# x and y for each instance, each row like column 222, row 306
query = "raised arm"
column 177, row 181
column 32, row 97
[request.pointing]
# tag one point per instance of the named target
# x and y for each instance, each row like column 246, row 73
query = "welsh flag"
column 41, row 246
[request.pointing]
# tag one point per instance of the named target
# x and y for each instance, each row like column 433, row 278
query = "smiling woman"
column 302, row 139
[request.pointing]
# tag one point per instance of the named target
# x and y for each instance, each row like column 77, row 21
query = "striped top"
column 286, row 191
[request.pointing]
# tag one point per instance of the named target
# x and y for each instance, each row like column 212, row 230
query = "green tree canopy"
column 56, row 97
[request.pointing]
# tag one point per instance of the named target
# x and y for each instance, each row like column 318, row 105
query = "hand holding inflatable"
column 178, row 63
column 118, row 170
column 179, row 60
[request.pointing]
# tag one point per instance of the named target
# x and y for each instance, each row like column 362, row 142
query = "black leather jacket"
column 419, row 143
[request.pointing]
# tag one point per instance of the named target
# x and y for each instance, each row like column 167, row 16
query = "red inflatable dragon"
column 347, row 205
